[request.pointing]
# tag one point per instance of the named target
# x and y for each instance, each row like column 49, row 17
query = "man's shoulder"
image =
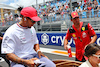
column 11, row 29
column 71, row 30
column 85, row 23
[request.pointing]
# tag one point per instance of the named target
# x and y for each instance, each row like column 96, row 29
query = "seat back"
column 67, row 63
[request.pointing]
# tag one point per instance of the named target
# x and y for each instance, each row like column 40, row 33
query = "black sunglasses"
column 75, row 17
column 31, row 20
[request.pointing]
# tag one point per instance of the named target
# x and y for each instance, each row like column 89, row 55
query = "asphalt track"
column 52, row 52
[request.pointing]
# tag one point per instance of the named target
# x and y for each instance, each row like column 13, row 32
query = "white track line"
column 49, row 50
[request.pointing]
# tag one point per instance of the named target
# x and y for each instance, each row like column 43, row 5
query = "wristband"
column 38, row 50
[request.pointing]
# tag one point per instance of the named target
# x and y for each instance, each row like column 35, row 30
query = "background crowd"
column 60, row 10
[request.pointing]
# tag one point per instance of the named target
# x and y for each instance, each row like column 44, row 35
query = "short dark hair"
column 19, row 9
column 91, row 49
column 70, row 16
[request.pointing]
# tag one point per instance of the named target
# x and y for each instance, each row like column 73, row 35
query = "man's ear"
column 24, row 19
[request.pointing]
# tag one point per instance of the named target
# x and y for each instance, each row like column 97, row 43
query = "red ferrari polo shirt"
column 81, row 37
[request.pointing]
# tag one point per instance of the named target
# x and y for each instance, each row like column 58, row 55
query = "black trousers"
column 83, row 59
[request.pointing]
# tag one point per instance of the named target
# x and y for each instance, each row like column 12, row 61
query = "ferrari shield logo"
column 83, row 28
column 73, row 35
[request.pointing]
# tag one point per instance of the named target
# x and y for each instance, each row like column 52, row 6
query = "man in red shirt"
column 81, row 33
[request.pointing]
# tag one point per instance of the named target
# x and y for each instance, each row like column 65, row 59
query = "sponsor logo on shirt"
column 74, row 36
column 84, row 35
column 90, row 27
column 83, row 28
column 22, row 38
column 5, row 42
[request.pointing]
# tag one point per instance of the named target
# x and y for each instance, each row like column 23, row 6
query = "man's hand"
column 65, row 47
column 41, row 54
column 30, row 62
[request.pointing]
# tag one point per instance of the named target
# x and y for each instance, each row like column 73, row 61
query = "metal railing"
column 59, row 22
column 86, row 16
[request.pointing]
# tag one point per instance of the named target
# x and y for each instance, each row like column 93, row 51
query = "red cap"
column 74, row 14
column 31, row 13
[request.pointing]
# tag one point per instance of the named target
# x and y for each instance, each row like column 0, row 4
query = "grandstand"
column 6, row 15
column 60, row 21
column 55, row 15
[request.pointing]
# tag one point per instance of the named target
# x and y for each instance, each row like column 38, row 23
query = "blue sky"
column 8, row 1
column 23, row 3
column 15, row 3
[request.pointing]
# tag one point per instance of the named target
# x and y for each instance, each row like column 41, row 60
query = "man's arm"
column 65, row 44
column 93, row 39
column 92, row 33
column 16, row 59
column 1, row 38
column 37, row 49
column 67, row 37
